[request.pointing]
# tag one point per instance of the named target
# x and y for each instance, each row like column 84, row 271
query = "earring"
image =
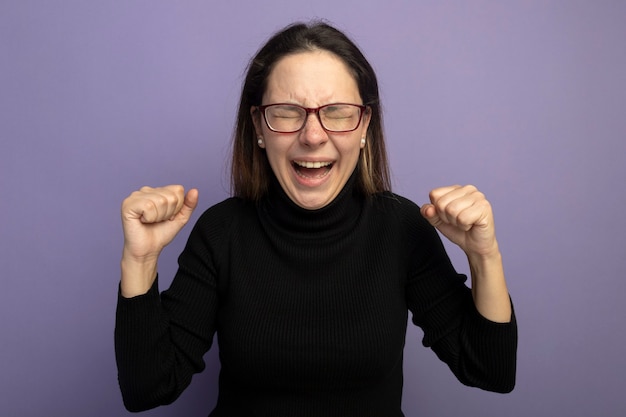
column 260, row 141
column 363, row 141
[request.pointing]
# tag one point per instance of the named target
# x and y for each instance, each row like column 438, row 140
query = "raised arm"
column 151, row 218
column 464, row 216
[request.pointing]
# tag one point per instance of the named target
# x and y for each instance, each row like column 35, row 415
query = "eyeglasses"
column 290, row 118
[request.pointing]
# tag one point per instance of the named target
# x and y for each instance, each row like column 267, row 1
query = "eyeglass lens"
column 333, row 117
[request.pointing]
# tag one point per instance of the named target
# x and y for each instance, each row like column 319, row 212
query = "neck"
column 340, row 215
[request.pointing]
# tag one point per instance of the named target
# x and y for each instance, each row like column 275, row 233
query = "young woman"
column 309, row 272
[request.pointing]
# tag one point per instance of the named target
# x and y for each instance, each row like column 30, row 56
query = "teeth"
column 305, row 164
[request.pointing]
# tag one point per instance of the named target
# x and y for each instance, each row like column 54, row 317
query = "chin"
column 312, row 202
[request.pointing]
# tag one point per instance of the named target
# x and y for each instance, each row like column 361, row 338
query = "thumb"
column 189, row 205
column 429, row 212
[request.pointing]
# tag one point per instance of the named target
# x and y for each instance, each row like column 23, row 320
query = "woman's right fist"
column 152, row 217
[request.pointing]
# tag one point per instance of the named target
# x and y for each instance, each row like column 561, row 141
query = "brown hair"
column 250, row 169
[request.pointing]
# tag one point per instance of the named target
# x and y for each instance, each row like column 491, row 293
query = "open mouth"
column 307, row 169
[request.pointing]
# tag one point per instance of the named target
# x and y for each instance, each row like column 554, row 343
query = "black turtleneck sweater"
column 310, row 310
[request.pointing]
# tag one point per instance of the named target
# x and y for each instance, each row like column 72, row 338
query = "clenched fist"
column 151, row 218
column 464, row 216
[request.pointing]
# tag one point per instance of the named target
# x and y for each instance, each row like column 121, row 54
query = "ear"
column 255, row 114
column 365, row 123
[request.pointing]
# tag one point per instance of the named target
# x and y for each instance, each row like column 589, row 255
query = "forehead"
column 311, row 78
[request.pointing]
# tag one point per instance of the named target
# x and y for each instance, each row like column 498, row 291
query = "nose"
column 313, row 134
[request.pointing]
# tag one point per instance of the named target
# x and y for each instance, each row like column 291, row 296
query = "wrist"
column 485, row 265
column 485, row 256
column 489, row 288
column 137, row 275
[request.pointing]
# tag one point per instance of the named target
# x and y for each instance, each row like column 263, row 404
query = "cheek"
column 352, row 151
column 275, row 152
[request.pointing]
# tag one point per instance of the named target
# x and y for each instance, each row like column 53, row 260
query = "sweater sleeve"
column 160, row 340
column 479, row 352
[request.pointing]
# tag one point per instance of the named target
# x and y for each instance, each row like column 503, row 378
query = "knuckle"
column 452, row 208
column 486, row 206
column 464, row 218
column 150, row 206
column 132, row 200
column 440, row 207
column 434, row 195
column 478, row 193
column 136, row 194
column 177, row 188
column 161, row 200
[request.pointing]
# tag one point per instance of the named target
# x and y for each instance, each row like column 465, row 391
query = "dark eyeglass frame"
column 312, row 110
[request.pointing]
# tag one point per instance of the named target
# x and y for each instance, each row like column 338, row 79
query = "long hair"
column 250, row 169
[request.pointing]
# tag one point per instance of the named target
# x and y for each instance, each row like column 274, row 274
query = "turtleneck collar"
column 336, row 218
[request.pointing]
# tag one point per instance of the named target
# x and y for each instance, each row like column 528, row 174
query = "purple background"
column 524, row 99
